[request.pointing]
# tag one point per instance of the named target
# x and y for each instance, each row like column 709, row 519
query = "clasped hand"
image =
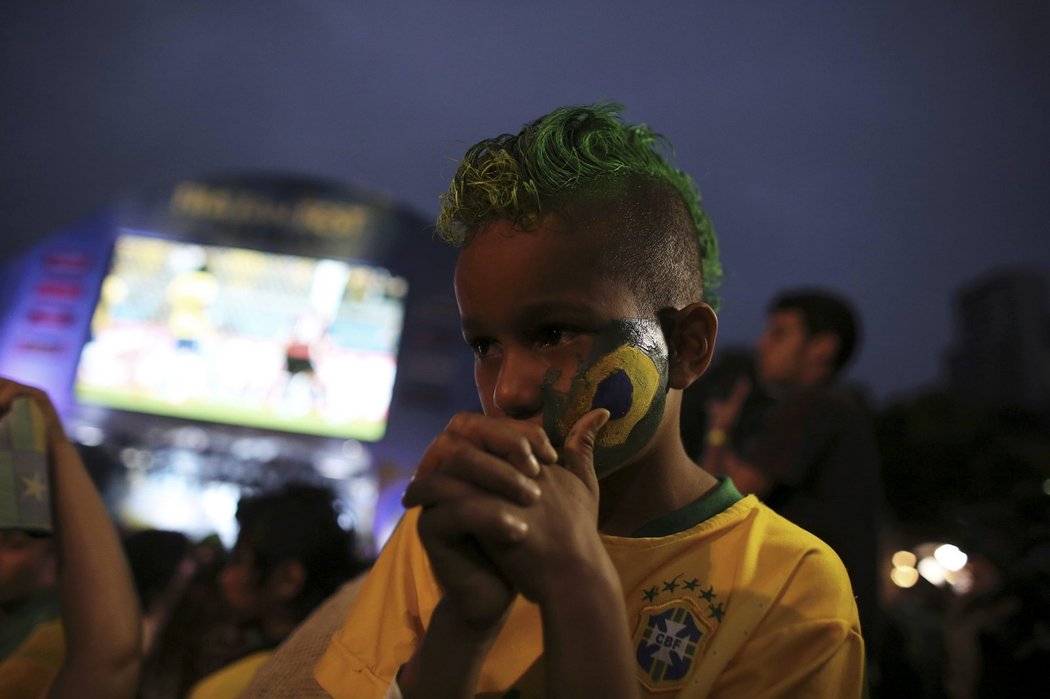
column 500, row 514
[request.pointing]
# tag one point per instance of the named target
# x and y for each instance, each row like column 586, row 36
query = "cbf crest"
column 667, row 643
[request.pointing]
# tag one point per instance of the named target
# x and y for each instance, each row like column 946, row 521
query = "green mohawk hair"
column 575, row 153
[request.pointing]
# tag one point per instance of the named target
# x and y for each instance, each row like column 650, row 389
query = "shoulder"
column 813, row 575
column 781, row 536
column 752, row 530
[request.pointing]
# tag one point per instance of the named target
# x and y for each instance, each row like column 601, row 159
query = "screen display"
column 244, row 337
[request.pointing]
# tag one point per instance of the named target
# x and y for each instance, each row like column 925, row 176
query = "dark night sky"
column 893, row 150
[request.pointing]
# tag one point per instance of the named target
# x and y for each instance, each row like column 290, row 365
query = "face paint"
column 626, row 373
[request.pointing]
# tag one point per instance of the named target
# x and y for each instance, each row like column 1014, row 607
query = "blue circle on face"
column 614, row 394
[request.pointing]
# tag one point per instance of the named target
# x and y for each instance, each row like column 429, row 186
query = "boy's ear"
column 691, row 342
column 287, row 579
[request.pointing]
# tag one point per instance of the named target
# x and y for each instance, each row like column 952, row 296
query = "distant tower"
column 1002, row 351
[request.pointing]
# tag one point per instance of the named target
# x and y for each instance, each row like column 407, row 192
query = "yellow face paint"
column 626, row 374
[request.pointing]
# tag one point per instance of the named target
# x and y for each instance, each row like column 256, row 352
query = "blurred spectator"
column 28, row 610
column 199, row 635
column 730, row 368
column 291, row 554
column 160, row 565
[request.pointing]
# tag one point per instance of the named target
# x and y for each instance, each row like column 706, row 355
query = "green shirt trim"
column 717, row 500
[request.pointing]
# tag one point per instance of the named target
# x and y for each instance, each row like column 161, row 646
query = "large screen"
column 244, row 337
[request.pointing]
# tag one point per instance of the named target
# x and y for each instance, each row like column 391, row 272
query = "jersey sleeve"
column 386, row 622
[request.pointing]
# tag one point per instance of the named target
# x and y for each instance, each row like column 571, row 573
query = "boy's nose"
column 518, row 392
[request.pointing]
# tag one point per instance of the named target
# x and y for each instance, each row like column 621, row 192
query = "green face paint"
column 626, row 373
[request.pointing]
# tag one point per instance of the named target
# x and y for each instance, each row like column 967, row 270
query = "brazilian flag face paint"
column 626, row 373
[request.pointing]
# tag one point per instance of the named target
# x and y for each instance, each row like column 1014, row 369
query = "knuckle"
column 470, row 510
column 442, row 444
column 461, row 453
column 460, row 422
column 534, row 433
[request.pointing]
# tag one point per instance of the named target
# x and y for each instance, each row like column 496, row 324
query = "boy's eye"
column 481, row 346
column 553, row 336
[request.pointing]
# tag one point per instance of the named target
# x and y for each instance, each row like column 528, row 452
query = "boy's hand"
column 472, row 483
column 561, row 548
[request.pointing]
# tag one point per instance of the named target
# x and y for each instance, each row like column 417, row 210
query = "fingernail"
column 534, row 465
column 532, row 491
column 517, row 528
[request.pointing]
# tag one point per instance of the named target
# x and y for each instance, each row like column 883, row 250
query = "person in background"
column 562, row 543
column 291, row 554
column 194, row 632
column 93, row 648
column 28, row 609
column 813, row 458
column 161, row 564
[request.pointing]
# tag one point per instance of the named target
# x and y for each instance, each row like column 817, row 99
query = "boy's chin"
column 607, row 465
column 610, row 459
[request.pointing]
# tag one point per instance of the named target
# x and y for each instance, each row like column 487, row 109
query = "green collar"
column 711, row 503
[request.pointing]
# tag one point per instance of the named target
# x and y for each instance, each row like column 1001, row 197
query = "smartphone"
column 25, row 488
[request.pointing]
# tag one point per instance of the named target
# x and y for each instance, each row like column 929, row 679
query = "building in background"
column 1002, row 351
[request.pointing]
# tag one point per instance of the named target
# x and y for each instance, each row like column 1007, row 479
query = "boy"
column 562, row 543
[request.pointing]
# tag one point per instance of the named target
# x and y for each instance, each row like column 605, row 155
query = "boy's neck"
column 662, row 481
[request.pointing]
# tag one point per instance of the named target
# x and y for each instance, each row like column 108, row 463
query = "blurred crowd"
column 88, row 609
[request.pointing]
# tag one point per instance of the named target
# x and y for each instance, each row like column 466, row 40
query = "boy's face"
column 553, row 338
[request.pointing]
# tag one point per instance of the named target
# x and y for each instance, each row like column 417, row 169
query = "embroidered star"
column 718, row 611
column 708, row 594
column 691, row 584
column 650, row 594
column 670, row 586
column 34, row 487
